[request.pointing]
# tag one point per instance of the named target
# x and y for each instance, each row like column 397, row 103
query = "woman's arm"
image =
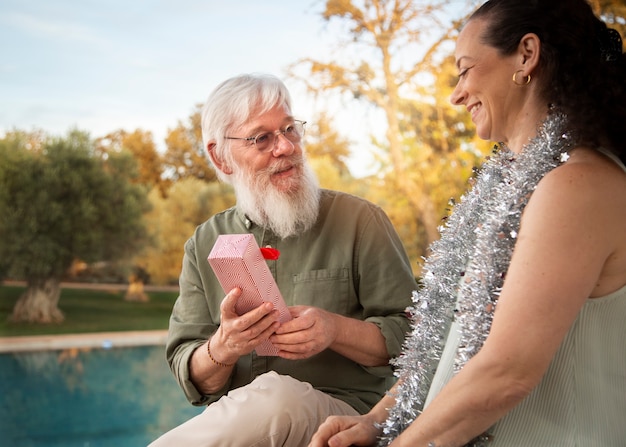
column 564, row 242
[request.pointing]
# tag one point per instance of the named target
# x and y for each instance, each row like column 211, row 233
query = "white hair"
column 286, row 213
column 230, row 105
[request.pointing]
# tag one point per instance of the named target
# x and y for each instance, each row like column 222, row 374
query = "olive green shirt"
column 351, row 262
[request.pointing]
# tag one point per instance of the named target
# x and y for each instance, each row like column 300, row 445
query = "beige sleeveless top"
column 581, row 400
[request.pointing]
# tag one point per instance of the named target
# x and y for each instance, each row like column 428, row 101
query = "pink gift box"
column 237, row 261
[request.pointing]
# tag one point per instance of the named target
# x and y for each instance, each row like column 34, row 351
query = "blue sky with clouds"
column 102, row 65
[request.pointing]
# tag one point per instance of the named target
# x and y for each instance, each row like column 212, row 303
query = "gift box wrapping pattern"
column 237, row 261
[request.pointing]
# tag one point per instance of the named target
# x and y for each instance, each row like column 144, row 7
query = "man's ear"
column 217, row 161
column 529, row 51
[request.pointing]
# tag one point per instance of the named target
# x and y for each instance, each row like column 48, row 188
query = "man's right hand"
column 239, row 335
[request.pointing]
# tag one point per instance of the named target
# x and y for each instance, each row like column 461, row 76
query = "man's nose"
column 282, row 146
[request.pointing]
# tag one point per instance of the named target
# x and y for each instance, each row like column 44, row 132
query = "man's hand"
column 239, row 335
column 236, row 336
column 345, row 431
column 311, row 331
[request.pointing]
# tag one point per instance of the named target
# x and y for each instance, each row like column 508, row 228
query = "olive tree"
column 60, row 201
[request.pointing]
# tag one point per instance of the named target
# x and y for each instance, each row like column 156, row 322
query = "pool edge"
column 85, row 340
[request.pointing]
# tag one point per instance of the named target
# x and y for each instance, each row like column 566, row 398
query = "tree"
column 141, row 145
column 60, row 202
column 394, row 46
column 185, row 155
column 172, row 220
column 327, row 152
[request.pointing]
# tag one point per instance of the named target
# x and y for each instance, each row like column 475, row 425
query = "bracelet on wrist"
column 208, row 350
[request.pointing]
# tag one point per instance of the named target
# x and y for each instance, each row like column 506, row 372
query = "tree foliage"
column 185, row 155
column 613, row 13
column 327, row 151
column 140, row 144
column 172, row 220
column 61, row 202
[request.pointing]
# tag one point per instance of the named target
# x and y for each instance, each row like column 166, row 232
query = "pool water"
column 98, row 397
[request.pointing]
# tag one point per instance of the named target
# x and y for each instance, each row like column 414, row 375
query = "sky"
column 104, row 65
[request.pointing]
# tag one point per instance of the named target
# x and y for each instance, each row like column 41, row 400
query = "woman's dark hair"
column 582, row 68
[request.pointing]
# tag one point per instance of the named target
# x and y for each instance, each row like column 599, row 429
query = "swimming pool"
column 88, row 397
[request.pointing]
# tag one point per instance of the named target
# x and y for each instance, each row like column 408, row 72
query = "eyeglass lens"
column 292, row 132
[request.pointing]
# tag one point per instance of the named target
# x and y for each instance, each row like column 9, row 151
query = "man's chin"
column 286, row 185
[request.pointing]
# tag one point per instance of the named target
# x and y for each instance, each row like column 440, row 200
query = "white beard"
column 285, row 213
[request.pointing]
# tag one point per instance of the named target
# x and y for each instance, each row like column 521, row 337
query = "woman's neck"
column 525, row 126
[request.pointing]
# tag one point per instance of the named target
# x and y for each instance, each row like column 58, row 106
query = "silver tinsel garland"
column 470, row 261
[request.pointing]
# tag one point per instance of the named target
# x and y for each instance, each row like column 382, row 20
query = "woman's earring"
column 525, row 79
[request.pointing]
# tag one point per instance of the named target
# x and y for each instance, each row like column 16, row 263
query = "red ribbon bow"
column 270, row 253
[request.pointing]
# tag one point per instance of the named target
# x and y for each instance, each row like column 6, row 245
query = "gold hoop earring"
column 525, row 81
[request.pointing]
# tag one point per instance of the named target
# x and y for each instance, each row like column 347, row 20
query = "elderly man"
column 342, row 271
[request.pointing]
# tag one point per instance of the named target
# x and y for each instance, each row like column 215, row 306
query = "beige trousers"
column 271, row 411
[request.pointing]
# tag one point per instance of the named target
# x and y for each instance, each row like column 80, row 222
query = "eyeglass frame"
column 275, row 133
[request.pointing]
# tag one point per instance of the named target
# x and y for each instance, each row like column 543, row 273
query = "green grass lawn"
column 91, row 311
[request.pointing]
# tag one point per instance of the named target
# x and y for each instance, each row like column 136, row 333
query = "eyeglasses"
column 265, row 141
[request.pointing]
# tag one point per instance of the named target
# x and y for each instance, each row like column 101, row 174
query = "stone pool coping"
column 89, row 340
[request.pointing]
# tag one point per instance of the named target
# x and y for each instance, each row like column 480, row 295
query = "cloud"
column 51, row 28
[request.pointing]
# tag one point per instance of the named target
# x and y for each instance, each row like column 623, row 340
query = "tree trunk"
column 39, row 303
column 135, row 290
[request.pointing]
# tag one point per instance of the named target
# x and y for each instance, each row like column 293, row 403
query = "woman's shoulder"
column 587, row 191
column 582, row 203
column 588, row 173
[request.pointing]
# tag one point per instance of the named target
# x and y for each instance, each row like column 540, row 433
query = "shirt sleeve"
column 191, row 323
column 386, row 280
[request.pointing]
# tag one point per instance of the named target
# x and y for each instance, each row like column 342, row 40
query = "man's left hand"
column 311, row 331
